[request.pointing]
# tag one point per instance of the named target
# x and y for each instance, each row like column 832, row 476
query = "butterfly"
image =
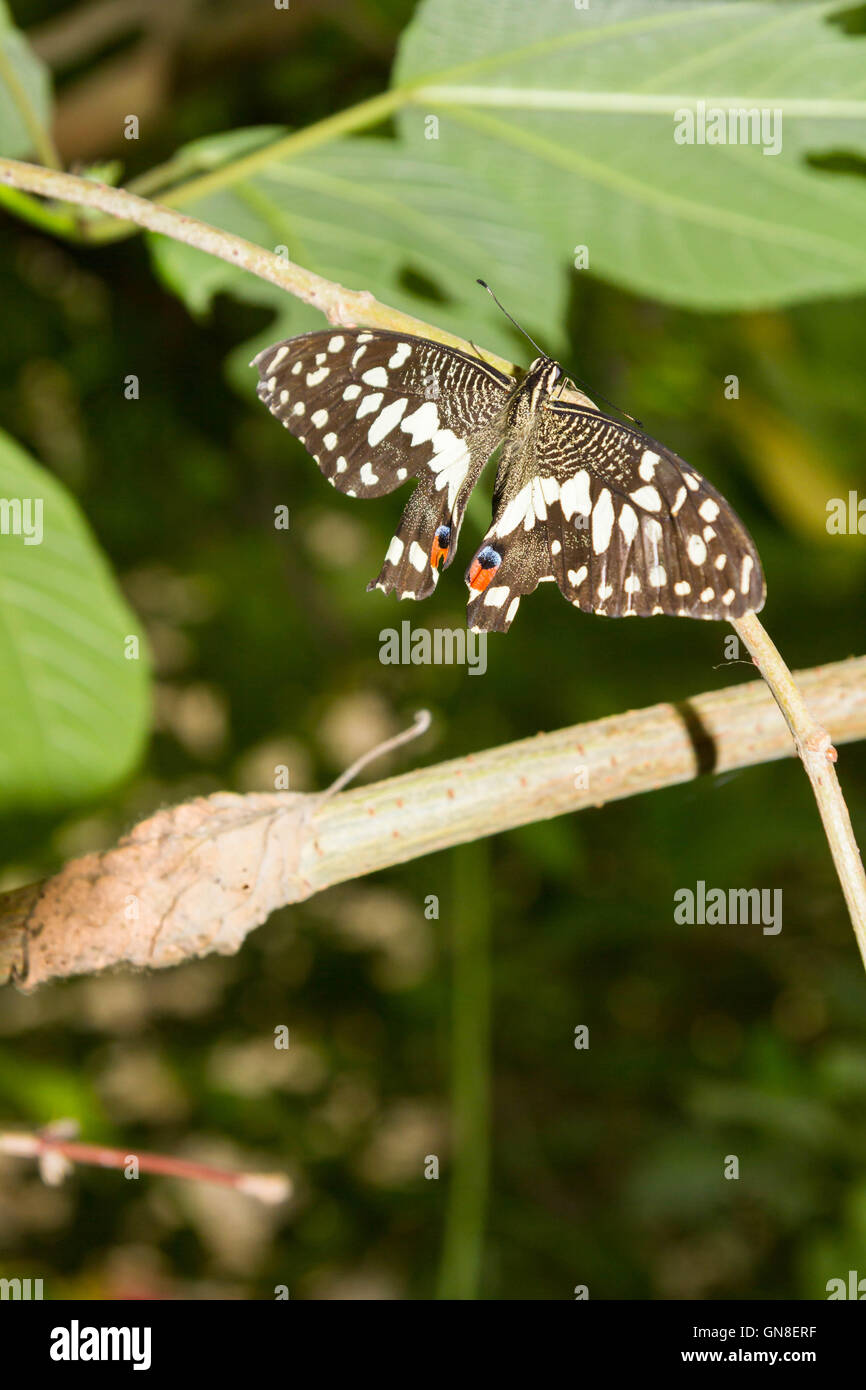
column 621, row 524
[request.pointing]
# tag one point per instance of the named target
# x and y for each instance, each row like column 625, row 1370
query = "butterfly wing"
column 623, row 525
column 377, row 408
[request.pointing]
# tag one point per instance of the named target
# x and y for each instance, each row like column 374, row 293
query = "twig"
column 815, row 749
column 57, row 1155
column 206, row 873
column 419, row 726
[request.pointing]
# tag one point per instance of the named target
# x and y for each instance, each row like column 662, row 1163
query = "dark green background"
column 606, row 1165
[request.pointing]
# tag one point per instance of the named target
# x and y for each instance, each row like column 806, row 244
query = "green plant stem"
column 460, row 1269
column 359, row 117
column 41, row 138
column 816, row 752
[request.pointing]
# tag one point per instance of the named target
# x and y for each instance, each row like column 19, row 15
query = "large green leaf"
column 371, row 214
column 571, row 113
column 73, row 705
column 25, row 92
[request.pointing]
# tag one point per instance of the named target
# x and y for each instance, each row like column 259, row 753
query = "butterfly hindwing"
column 377, row 408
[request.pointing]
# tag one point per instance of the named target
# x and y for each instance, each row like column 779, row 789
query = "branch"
column 199, row 877
column 346, row 308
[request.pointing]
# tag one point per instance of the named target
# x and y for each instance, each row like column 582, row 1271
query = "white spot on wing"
column 319, row 418
column 494, row 597
column 368, row 405
column 385, row 422
column 647, row 465
column 401, row 352
column 574, row 495
column 376, row 376
column 313, row 378
column 628, row 522
column 709, row 509
column 602, row 523
column 352, row 392
column 395, row 550
column 417, row 558
column 336, row 344
column 422, row 423
column 696, row 549
column 368, row 477
column 745, row 574
column 648, row 498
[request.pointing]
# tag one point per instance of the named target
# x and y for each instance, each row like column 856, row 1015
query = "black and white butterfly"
column 618, row 521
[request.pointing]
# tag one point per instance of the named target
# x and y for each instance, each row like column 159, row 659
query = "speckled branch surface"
column 199, row 877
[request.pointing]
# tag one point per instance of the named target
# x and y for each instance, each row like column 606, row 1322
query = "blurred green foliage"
column 606, row 1164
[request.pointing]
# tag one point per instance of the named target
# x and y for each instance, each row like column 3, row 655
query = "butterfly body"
column 621, row 524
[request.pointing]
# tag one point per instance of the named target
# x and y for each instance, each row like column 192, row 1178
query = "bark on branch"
column 200, row 876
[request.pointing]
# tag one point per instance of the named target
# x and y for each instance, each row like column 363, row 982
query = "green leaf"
column 25, row 92
column 73, row 708
column 372, row 215
column 571, row 113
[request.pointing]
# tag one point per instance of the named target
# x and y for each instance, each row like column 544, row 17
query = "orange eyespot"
column 441, row 542
column 437, row 553
column 483, row 568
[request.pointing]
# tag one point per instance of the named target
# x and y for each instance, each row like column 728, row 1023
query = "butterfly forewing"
column 377, row 408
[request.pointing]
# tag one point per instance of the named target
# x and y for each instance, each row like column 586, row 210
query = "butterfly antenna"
column 596, row 395
column 577, row 381
column 484, row 285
